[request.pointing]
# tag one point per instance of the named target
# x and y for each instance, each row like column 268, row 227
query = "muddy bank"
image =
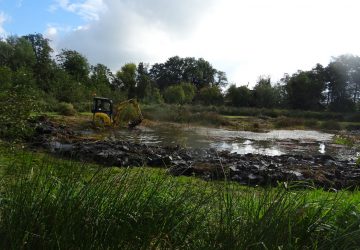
column 249, row 169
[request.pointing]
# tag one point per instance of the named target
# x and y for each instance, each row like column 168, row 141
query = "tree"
column 198, row 72
column 152, row 94
column 44, row 66
column 6, row 52
column 205, row 74
column 127, row 79
column 238, row 96
column 174, row 94
column 264, row 94
column 143, row 81
column 66, row 89
column 23, row 54
column 16, row 104
column 339, row 98
column 221, row 79
column 211, row 96
column 305, row 89
column 5, row 78
column 189, row 91
column 101, row 78
column 351, row 65
column 75, row 64
column 168, row 73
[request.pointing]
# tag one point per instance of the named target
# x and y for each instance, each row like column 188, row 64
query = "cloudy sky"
column 245, row 39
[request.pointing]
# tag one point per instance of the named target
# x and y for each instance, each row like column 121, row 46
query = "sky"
column 246, row 39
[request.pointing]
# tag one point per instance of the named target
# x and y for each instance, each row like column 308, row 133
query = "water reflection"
column 247, row 147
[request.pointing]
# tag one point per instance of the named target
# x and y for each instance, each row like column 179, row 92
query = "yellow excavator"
column 106, row 114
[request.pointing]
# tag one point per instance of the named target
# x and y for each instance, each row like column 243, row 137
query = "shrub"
column 211, row 96
column 238, row 96
column 355, row 117
column 342, row 105
column 343, row 140
column 66, row 109
column 174, row 95
column 353, row 127
column 331, row 125
column 311, row 123
column 209, row 118
column 283, row 122
column 152, row 95
column 16, row 106
column 189, row 91
column 83, row 106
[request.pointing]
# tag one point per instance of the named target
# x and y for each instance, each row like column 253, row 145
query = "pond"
column 272, row 143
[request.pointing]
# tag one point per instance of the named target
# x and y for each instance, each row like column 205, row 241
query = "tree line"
column 28, row 63
column 335, row 87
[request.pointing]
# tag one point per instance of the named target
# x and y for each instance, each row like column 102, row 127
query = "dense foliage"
column 68, row 77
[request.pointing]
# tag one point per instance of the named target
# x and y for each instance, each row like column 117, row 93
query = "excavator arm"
column 136, row 116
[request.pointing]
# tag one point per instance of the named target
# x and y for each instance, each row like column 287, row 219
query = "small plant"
column 343, row 140
column 66, row 109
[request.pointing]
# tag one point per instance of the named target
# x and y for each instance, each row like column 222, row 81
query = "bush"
column 283, row 122
column 209, row 118
column 311, row 123
column 211, row 96
column 174, row 95
column 189, row 91
column 353, row 127
column 66, row 109
column 342, row 105
column 152, row 95
column 83, row 106
column 354, row 117
column 343, row 140
column 16, row 106
column 331, row 125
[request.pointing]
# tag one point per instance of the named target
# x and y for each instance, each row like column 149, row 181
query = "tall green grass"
column 55, row 204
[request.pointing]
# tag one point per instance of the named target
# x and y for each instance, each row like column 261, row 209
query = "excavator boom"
column 119, row 109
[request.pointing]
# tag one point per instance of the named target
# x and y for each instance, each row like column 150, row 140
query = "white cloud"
column 243, row 38
column 137, row 30
column 87, row 9
column 51, row 32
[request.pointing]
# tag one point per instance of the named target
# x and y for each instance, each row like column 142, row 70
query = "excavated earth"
column 249, row 169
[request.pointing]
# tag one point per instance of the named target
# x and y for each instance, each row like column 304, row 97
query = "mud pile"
column 249, row 169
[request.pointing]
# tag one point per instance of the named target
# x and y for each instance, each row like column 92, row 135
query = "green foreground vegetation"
column 50, row 203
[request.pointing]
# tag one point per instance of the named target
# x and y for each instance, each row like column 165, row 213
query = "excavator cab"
column 102, row 105
column 102, row 111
